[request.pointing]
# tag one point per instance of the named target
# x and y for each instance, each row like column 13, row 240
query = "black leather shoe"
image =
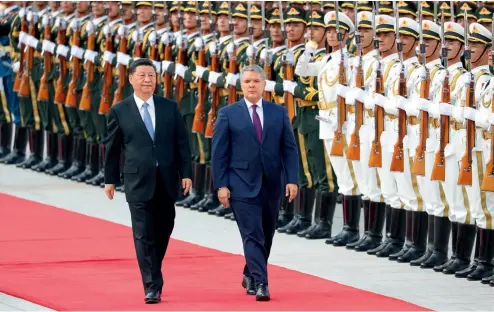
column 153, row 297
column 262, row 293
column 248, row 284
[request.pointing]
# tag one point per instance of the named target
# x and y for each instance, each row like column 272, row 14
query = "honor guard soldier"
column 9, row 108
column 466, row 10
column 476, row 114
column 484, row 16
column 429, row 10
column 408, row 9
column 57, row 83
column 316, row 171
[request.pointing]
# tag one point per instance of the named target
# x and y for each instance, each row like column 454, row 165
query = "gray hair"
column 254, row 68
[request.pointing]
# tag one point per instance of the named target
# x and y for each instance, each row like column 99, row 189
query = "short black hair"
column 140, row 62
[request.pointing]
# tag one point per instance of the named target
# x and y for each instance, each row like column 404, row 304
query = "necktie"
column 147, row 120
column 257, row 123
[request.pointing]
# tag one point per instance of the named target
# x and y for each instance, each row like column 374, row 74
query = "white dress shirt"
column 151, row 109
column 258, row 110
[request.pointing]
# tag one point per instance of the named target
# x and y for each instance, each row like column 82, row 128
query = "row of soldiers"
column 390, row 110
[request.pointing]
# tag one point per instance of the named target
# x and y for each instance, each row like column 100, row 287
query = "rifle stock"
column 59, row 89
column 199, row 116
column 104, row 104
column 22, row 59
column 353, row 152
column 71, row 100
column 43, row 93
column 167, row 79
column 288, row 98
column 232, row 69
column 439, row 167
column 398, row 160
column 86, row 98
column 122, row 69
column 488, row 180
column 465, row 174
column 269, row 74
column 179, row 81
column 24, row 87
column 338, row 144
column 375, row 157
column 215, row 100
column 418, row 165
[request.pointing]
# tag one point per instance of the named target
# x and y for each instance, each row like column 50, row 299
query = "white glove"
column 434, row 110
column 22, row 37
column 90, row 56
column 481, row 120
column 108, row 57
column 180, row 69
column 289, row 86
column 15, row 66
column 350, row 97
column 402, row 103
column 77, row 52
column 362, row 96
column 123, row 58
column 380, row 100
column 62, row 50
column 309, row 50
column 369, row 102
column 213, row 77
column 390, row 107
column 491, row 119
column 270, row 84
column 458, row 113
column 158, row 66
column 423, row 104
column 469, row 113
column 48, row 46
column 231, row 79
column 445, row 109
column 165, row 65
column 32, row 42
column 200, row 71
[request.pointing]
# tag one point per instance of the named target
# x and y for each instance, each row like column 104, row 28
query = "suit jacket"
column 239, row 160
column 170, row 149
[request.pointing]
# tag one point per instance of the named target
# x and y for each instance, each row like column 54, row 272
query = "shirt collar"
column 9, row 9
column 249, row 104
column 98, row 20
column 140, row 102
column 225, row 38
column 118, row 20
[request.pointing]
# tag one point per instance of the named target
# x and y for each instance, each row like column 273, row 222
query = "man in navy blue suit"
column 253, row 146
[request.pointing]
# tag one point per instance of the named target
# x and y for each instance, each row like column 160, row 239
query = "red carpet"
column 67, row 261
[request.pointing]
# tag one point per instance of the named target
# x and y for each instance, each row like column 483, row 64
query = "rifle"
column 104, row 104
column 22, row 60
column 288, row 60
column 418, row 165
column 44, row 93
column 465, row 174
column 202, row 88
column 215, row 66
column 375, row 157
column 353, row 152
column 338, row 144
column 438, row 170
column 71, row 100
column 232, row 56
column 24, row 87
column 268, row 70
column 154, row 53
column 86, row 97
column 181, row 59
column 397, row 162
column 252, row 59
column 488, row 180
column 59, row 89
column 122, row 69
column 167, row 79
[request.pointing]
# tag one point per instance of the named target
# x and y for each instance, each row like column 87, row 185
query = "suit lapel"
column 246, row 117
column 267, row 114
column 137, row 116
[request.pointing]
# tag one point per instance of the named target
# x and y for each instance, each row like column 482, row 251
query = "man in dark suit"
column 151, row 133
column 253, row 146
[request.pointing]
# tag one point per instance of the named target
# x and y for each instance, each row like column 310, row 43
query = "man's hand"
column 110, row 190
column 224, row 196
column 186, row 185
column 291, row 190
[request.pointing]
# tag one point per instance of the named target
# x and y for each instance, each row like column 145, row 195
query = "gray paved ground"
column 9, row 303
column 426, row 288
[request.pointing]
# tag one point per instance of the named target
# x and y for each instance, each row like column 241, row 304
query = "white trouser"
column 370, row 185
column 359, row 173
column 483, row 210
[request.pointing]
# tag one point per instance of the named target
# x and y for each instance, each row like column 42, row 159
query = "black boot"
column 430, row 243
column 182, row 199
column 92, row 161
column 306, row 207
column 408, row 237
column 78, row 161
column 5, row 139
column 419, row 237
column 206, row 190
column 386, row 240
column 295, row 207
column 35, row 140
column 464, row 245
column 100, row 177
column 216, row 209
column 64, row 148
column 286, row 212
column 376, row 225
column 351, row 215
column 473, row 266
column 324, row 225
column 397, row 233
column 317, row 214
column 18, row 154
column 51, row 154
column 365, row 206
column 442, row 228
column 212, row 200
column 486, row 253
column 198, row 185
column 454, row 235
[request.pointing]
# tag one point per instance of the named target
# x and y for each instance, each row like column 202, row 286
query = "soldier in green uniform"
column 60, row 117
column 9, row 108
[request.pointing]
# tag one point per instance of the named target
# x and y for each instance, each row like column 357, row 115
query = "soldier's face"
column 144, row 14
column 409, row 43
column 252, row 86
column 174, row 19
column 317, row 34
column 431, row 46
column 98, row 8
column 425, row 18
column 205, row 21
column 189, row 20
column 82, row 6
column 349, row 12
column 275, row 33
column 160, row 16
column 332, row 38
column 67, row 7
column 53, row 5
column 239, row 26
column 454, row 47
column 386, row 41
column 222, row 23
column 365, row 37
column 257, row 27
column 295, row 31
column 477, row 51
column 113, row 9
column 127, row 12
column 143, row 80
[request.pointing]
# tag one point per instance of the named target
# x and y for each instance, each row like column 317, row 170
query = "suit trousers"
column 256, row 219
column 152, row 226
